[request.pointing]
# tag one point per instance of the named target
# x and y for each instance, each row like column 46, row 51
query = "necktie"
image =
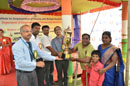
column 30, row 51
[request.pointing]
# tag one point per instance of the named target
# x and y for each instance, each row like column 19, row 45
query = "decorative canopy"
column 36, row 6
column 49, row 6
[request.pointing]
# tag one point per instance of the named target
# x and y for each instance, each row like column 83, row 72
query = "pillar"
column 124, row 29
column 67, row 22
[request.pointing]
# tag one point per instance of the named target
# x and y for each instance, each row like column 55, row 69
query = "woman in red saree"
column 6, row 57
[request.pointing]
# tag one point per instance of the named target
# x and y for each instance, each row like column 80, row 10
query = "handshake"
column 42, row 64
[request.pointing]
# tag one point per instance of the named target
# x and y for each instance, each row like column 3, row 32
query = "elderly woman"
column 112, row 59
column 6, row 57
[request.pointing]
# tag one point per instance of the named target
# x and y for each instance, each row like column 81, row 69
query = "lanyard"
column 25, row 43
column 59, row 41
column 30, row 51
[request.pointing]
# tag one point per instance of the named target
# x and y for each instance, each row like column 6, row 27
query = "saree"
column 6, row 56
column 112, row 76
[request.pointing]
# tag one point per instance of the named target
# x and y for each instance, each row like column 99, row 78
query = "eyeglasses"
column 27, row 31
column 57, row 29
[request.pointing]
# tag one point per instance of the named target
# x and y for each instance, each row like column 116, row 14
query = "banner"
column 11, row 23
column 108, row 20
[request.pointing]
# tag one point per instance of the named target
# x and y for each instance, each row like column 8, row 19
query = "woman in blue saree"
column 112, row 59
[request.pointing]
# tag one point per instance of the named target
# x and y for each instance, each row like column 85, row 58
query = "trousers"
column 26, row 78
column 62, row 65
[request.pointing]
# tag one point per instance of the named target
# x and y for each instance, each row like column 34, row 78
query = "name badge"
column 0, row 47
column 35, row 54
column 4, row 41
column 40, row 45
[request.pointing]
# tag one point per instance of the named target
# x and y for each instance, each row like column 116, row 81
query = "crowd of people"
column 34, row 58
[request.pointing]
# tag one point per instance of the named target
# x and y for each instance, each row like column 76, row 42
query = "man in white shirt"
column 40, row 71
column 46, row 43
column 25, row 52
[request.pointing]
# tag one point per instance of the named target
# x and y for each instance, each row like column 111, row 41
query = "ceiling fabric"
column 109, row 2
column 78, row 6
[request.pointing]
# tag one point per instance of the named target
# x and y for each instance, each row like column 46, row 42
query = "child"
column 95, row 78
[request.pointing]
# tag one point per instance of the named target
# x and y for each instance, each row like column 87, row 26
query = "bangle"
column 105, row 69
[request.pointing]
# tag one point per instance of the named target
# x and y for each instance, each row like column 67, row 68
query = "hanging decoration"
column 109, row 2
column 25, row 5
column 36, row 6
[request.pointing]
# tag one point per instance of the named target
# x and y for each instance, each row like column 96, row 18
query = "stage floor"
column 10, row 79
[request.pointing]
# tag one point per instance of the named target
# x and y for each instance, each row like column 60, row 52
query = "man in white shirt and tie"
column 25, row 63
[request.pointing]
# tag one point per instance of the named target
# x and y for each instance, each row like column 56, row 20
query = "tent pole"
column 128, row 49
